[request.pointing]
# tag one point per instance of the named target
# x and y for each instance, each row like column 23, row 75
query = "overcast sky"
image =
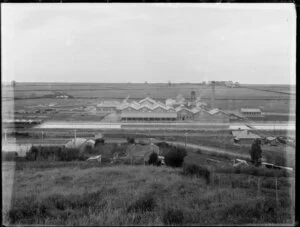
column 248, row 43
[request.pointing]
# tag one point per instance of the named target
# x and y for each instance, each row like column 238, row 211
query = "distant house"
column 91, row 109
column 108, row 106
column 184, row 113
column 244, row 137
column 141, row 152
column 218, row 115
column 272, row 141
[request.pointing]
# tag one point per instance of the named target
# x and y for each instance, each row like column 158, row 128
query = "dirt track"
column 210, row 149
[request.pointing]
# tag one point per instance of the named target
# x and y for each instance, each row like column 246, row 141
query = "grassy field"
column 136, row 90
column 90, row 194
column 226, row 98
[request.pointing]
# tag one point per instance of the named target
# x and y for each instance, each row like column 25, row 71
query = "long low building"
column 148, row 116
column 150, row 110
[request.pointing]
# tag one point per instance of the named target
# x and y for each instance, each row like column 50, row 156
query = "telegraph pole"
column 186, row 134
column 213, row 95
column 5, row 138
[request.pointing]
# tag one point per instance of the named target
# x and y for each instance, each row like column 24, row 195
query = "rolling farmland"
column 270, row 98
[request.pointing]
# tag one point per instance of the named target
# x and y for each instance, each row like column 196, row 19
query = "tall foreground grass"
column 142, row 195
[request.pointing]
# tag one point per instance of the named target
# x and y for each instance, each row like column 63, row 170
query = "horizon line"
column 76, row 82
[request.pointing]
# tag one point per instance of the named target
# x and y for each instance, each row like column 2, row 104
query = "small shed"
column 272, row 141
column 244, row 136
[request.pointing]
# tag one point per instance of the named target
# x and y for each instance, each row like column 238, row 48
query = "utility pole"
column 42, row 137
column 186, row 134
column 5, row 138
column 213, row 95
column 75, row 136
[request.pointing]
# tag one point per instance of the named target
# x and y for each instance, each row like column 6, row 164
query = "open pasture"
column 91, row 94
column 140, row 195
column 140, row 90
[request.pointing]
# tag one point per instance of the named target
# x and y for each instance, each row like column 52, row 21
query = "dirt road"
column 209, row 149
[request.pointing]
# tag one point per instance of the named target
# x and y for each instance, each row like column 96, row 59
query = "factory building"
column 146, row 110
column 150, row 110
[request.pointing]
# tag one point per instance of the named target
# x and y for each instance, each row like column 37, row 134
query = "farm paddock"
column 140, row 195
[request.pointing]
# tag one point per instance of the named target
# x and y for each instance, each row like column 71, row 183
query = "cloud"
column 146, row 42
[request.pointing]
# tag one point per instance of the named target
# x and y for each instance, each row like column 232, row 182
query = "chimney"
column 213, row 95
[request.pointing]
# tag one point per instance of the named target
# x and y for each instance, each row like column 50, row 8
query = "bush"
column 173, row 216
column 199, row 151
column 99, row 141
column 163, row 145
column 175, row 157
column 256, row 152
column 153, row 159
column 31, row 155
column 143, row 204
column 9, row 156
column 198, row 171
column 280, row 161
column 54, row 154
column 130, row 140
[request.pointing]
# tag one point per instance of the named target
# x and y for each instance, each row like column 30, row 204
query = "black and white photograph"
column 148, row 114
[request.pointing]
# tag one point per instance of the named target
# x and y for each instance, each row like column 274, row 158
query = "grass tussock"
column 143, row 195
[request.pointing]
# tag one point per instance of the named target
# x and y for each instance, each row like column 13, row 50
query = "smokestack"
column 213, row 94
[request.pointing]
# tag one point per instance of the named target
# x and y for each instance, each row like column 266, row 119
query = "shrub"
column 153, row 159
column 130, row 140
column 53, row 153
column 173, row 216
column 99, row 141
column 105, row 159
column 280, row 161
column 9, row 156
column 238, row 169
column 199, row 151
column 271, row 183
column 175, row 157
column 31, row 155
column 143, row 204
column 198, row 171
column 256, row 152
column 163, row 145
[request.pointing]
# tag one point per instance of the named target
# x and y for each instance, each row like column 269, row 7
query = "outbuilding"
column 251, row 112
column 244, row 137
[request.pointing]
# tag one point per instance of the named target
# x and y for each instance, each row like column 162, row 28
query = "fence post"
column 258, row 186
column 219, row 197
column 276, row 192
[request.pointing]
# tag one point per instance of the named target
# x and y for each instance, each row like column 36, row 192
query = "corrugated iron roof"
column 108, row 104
column 245, row 110
column 244, row 135
column 149, row 114
column 147, row 99
column 213, row 111
column 184, row 108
